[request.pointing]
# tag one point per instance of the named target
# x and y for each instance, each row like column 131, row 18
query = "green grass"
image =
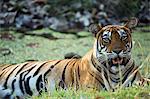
column 127, row 93
column 40, row 48
column 46, row 49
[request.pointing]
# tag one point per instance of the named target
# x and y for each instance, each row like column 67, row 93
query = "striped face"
column 113, row 45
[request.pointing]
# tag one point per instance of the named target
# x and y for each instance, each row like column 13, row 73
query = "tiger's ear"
column 131, row 23
column 95, row 28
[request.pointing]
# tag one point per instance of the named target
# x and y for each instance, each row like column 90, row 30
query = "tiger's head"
column 113, row 43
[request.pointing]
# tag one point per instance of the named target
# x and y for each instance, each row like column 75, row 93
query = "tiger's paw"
column 143, row 82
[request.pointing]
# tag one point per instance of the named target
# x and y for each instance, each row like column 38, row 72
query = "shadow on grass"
column 44, row 35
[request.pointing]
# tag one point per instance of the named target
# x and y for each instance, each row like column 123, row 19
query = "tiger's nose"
column 117, row 51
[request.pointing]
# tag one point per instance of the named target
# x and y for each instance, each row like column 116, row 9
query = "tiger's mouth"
column 117, row 60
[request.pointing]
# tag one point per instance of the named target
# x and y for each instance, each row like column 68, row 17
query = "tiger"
column 107, row 66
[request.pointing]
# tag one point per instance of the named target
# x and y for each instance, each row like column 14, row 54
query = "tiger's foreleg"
column 141, row 81
column 135, row 78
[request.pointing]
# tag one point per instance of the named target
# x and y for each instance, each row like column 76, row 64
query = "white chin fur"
column 116, row 68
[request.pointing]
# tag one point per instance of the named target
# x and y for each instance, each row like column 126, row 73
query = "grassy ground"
column 38, row 47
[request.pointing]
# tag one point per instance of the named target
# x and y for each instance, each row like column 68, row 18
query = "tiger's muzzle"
column 117, row 58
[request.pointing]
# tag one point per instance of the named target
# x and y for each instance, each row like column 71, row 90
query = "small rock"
column 33, row 45
column 5, row 51
column 72, row 55
column 6, row 36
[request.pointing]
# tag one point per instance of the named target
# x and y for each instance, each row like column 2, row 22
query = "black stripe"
column 37, row 71
column 7, row 96
column 17, row 97
column 21, row 69
column 2, row 73
column 98, row 36
column 133, row 78
column 62, row 81
column 127, row 73
column 77, row 85
column 78, row 72
column 27, row 86
column 97, row 80
column 113, row 72
column 106, row 76
column 142, row 81
column 51, row 68
column 115, row 80
column 97, row 46
column 72, row 82
column 6, row 67
column 77, row 75
column 99, row 69
column 20, row 83
column 27, row 72
column 5, row 84
column 148, row 83
column 94, row 64
column 63, row 74
column 130, row 68
column 39, row 84
column 131, row 44
column 61, row 84
column 22, row 79
column 13, row 86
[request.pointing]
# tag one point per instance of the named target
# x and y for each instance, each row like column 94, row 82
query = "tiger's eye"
column 123, row 34
column 124, row 37
column 106, row 36
column 106, row 40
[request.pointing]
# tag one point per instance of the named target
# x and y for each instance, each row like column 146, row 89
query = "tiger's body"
column 107, row 66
